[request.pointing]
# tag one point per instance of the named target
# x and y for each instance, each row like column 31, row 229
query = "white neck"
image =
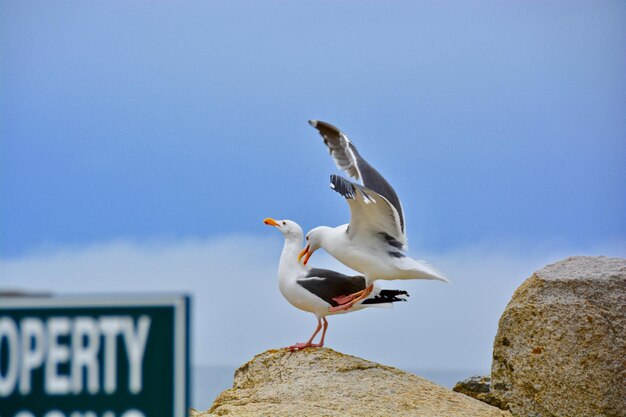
column 289, row 265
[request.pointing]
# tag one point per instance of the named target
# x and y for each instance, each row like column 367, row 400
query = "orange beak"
column 306, row 253
column 270, row 222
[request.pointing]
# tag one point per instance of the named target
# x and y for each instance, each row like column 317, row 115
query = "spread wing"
column 371, row 214
column 348, row 159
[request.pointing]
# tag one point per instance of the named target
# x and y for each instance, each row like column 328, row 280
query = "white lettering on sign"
column 85, row 354
column 8, row 333
column 33, row 350
column 68, row 350
column 136, row 346
column 110, row 328
column 58, row 354
column 133, row 413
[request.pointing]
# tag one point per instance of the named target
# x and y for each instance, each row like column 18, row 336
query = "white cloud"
column 239, row 312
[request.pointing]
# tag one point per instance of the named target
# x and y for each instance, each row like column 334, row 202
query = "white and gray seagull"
column 374, row 243
column 314, row 290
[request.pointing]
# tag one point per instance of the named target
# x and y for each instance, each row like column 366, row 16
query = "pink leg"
column 309, row 342
column 344, row 299
column 364, row 293
column 321, row 343
column 347, row 298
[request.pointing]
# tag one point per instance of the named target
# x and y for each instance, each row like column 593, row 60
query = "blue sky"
column 132, row 132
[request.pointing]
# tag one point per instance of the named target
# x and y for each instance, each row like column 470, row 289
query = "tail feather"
column 415, row 269
column 393, row 293
column 387, row 296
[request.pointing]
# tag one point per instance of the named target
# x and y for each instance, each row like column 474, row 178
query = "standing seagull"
column 374, row 242
column 313, row 289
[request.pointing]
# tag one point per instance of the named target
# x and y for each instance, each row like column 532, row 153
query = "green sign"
column 94, row 356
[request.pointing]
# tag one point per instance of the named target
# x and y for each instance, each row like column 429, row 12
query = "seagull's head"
column 313, row 243
column 290, row 229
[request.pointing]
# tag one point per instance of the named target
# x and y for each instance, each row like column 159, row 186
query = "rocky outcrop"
column 478, row 387
column 321, row 382
column 560, row 349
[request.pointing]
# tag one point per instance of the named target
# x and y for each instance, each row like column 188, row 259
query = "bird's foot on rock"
column 300, row 346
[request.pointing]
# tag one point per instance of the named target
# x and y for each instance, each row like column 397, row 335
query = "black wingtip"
column 313, row 123
column 393, row 293
column 342, row 186
column 388, row 296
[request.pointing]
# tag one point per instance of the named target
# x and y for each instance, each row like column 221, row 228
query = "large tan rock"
column 322, row 382
column 560, row 349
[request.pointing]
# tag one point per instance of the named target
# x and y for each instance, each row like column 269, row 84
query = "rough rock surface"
column 560, row 349
column 321, row 382
column 478, row 387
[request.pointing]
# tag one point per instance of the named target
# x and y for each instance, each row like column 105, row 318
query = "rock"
column 478, row 387
column 560, row 349
column 321, row 382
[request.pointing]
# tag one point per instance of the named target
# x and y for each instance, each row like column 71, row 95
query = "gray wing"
column 327, row 284
column 348, row 159
column 371, row 215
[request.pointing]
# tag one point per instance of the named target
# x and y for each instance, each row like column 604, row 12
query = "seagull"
column 374, row 243
column 314, row 290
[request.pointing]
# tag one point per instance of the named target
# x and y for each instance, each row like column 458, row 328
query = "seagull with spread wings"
column 374, row 242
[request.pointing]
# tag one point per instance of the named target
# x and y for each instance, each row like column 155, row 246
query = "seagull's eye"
column 307, row 238
column 284, row 223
